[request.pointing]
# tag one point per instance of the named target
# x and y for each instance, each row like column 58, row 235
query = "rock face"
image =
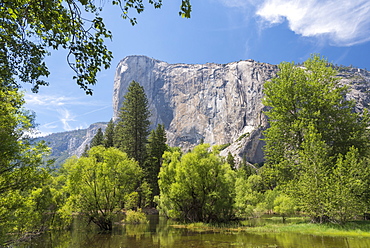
column 211, row 102
column 216, row 103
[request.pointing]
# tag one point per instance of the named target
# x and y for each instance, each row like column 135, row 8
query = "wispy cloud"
column 58, row 101
column 46, row 100
column 65, row 116
column 66, row 113
column 239, row 3
column 341, row 22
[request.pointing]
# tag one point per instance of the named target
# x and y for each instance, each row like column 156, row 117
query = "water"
column 160, row 233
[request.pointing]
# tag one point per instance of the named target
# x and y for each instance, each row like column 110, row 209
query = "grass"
column 301, row 226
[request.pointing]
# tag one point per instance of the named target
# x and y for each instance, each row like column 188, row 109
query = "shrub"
column 136, row 217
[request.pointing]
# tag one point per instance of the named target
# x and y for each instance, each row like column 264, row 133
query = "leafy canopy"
column 98, row 185
column 198, row 186
column 316, row 145
column 29, row 29
column 24, row 173
column 306, row 95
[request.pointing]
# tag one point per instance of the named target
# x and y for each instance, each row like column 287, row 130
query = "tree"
column 29, row 30
column 99, row 184
column 311, row 187
column 132, row 128
column 197, row 186
column 86, row 149
column 248, row 198
column 309, row 95
column 284, row 205
column 98, row 139
column 312, row 128
column 348, row 186
column 109, row 135
column 24, row 172
column 230, row 160
column 155, row 149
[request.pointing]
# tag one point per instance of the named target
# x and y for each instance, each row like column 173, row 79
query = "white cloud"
column 344, row 22
column 66, row 117
column 52, row 101
column 46, row 100
column 239, row 3
column 341, row 22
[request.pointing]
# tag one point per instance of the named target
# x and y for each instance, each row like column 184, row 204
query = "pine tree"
column 132, row 128
column 155, row 148
column 230, row 160
column 98, row 139
column 108, row 140
column 85, row 154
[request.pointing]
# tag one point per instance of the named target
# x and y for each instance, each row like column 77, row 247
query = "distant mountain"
column 67, row 144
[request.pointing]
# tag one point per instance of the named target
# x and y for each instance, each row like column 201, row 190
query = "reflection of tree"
column 297, row 240
column 166, row 235
column 137, row 230
column 162, row 234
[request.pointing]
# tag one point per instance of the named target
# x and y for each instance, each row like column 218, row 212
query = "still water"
column 159, row 233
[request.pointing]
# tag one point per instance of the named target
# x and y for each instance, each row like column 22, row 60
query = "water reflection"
column 159, row 233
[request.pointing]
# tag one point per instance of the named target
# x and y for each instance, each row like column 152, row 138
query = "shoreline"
column 350, row 229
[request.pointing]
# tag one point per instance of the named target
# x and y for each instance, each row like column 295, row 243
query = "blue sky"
column 219, row 31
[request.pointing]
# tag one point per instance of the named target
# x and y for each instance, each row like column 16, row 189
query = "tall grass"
column 299, row 225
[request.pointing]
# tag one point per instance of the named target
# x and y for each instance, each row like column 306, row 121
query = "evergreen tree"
column 85, row 154
column 132, row 128
column 98, row 139
column 108, row 140
column 155, row 149
column 230, row 160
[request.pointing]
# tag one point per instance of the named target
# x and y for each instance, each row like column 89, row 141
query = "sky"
column 219, row 31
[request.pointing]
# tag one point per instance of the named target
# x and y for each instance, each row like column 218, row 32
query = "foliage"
column 309, row 95
column 24, row 174
column 146, row 195
column 249, row 198
column 284, row 205
column 197, row 186
column 135, row 217
column 327, row 191
column 98, row 184
column 349, row 185
column 315, row 142
column 230, row 160
column 108, row 140
column 312, row 186
column 132, row 200
column 155, row 149
column 132, row 128
column 98, row 139
column 29, row 30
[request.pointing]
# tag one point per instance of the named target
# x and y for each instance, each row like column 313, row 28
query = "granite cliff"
column 217, row 103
